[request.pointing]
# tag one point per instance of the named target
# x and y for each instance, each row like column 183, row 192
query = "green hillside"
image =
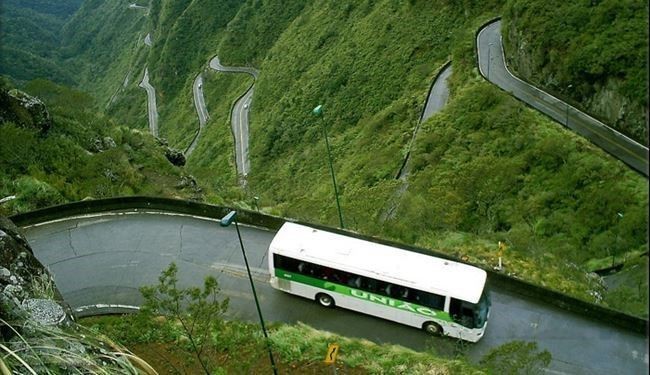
column 102, row 43
column 593, row 53
column 82, row 155
column 485, row 169
column 30, row 39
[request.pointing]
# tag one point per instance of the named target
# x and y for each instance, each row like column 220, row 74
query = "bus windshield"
column 470, row 315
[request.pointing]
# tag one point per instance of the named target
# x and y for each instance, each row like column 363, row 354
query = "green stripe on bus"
column 360, row 294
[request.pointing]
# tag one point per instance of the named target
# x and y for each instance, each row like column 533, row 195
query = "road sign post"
column 330, row 356
column 502, row 248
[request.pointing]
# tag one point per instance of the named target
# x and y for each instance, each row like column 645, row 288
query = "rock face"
column 26, row 287
column 103, row 144
column 24, row 110
column 37, row 326
column 175, row 157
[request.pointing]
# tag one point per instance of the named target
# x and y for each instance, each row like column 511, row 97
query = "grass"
column 239, row 348
column 39, row 349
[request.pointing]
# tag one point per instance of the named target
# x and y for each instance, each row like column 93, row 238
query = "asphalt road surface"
column 105, row 259
column 239, row 118
column 151, row 103
column 201, row 110
column 492, row 66
column 438, row 96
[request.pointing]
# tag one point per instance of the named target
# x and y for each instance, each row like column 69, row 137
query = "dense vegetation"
column 83, row 155
column 30, row 37
column 598, row 48
column 486, row 169
column 199, row 339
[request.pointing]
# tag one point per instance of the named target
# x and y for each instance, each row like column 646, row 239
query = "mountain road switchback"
column 99, row 261
column 492, row 65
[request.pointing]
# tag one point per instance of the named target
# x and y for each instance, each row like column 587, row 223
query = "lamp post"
column 226, row 221
column 567, row 108
column 318, row 111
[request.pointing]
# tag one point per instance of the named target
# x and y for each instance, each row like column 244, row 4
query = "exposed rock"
column 23, row 279
column 38, row 326
column 111, row 175
column 162, row 141
column 103, row 144
column 187, row 181
column 175, row 157
column 44, row 311
column 24, row 110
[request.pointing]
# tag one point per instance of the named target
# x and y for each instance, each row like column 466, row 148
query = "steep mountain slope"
column 63, row 153
column 30, row 38
column 102, row 44
column 593, row 53
column 485, row 169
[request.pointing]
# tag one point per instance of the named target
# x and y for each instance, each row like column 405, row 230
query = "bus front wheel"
column 432, row 328
column 325, row 300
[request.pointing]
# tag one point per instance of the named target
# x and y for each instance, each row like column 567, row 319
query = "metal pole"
column 329, row 159
column 257, row 304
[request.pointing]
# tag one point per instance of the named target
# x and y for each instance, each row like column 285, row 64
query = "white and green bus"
column 438, row 295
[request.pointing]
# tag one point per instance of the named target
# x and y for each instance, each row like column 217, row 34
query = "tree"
column 197, row 311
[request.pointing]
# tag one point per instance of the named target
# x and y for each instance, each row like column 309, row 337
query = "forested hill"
column 485, row 169
column 30, row 38
column 592, row 53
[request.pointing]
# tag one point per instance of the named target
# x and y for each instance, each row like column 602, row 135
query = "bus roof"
column 391, row 264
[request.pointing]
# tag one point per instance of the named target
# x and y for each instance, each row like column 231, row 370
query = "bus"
column 440, row 296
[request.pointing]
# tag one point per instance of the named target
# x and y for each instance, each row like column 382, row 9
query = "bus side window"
column 369, row 284
column 355, row 281
column 326, row 273
column 429, row 299
column 285, row 263
column 402, row 293
column 340, row 277
column 316, row 271
column 382, row 287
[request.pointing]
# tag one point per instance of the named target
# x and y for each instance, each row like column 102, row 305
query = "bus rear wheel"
column 432, row 328
column 325, row 300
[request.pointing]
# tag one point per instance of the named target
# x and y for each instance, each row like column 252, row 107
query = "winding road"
column 100, row 261
column 239, row 118
column 436, row 100
column 201, row 110
column 493, row 67
column 152, row 110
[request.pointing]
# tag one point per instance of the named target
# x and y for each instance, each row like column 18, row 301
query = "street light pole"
column 318, row 111
column 226, row 221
